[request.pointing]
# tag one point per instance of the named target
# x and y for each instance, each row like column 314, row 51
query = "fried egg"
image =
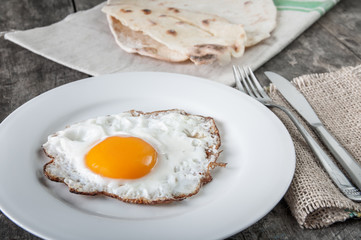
column 136, row 157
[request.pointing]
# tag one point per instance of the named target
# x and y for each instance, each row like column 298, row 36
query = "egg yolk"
column 121, row 157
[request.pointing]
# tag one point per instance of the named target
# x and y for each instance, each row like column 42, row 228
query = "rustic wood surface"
column 329, row 44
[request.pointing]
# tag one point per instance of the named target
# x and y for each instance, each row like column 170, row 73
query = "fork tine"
column 257, row 84
column 237, row 77
column 249, row 85
column 245, row 82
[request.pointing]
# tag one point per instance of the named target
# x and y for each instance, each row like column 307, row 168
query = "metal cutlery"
column 247, row 82
column 299, row 102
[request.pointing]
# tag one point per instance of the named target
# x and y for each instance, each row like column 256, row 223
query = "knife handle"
column 351, row 166
column 331, row 168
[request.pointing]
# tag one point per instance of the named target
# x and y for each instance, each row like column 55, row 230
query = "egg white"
column 180, row 140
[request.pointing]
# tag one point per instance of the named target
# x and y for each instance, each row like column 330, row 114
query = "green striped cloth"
column 305, row 6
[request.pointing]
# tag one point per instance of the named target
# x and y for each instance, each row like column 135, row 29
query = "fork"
column 247, row 82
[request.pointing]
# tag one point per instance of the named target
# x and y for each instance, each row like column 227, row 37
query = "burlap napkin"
column 336, row 97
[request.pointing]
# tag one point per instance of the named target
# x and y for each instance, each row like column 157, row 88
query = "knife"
column 299, row 102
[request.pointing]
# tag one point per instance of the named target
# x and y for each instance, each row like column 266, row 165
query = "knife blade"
column 302, row 106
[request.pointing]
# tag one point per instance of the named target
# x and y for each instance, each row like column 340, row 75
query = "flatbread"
column 137, row 35
column 203, row 38
column 258, row 17
column 137, row 42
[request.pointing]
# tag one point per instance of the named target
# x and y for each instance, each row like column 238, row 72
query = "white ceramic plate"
column 257, row 148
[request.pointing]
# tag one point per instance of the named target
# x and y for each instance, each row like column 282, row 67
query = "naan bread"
column 137, row 42
column 258, row 17
column 174, row 34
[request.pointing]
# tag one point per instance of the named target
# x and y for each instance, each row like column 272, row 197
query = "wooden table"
column 331, row 43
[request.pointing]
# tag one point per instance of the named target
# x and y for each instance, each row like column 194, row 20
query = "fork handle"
column 343, row 157
column 331, row 168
